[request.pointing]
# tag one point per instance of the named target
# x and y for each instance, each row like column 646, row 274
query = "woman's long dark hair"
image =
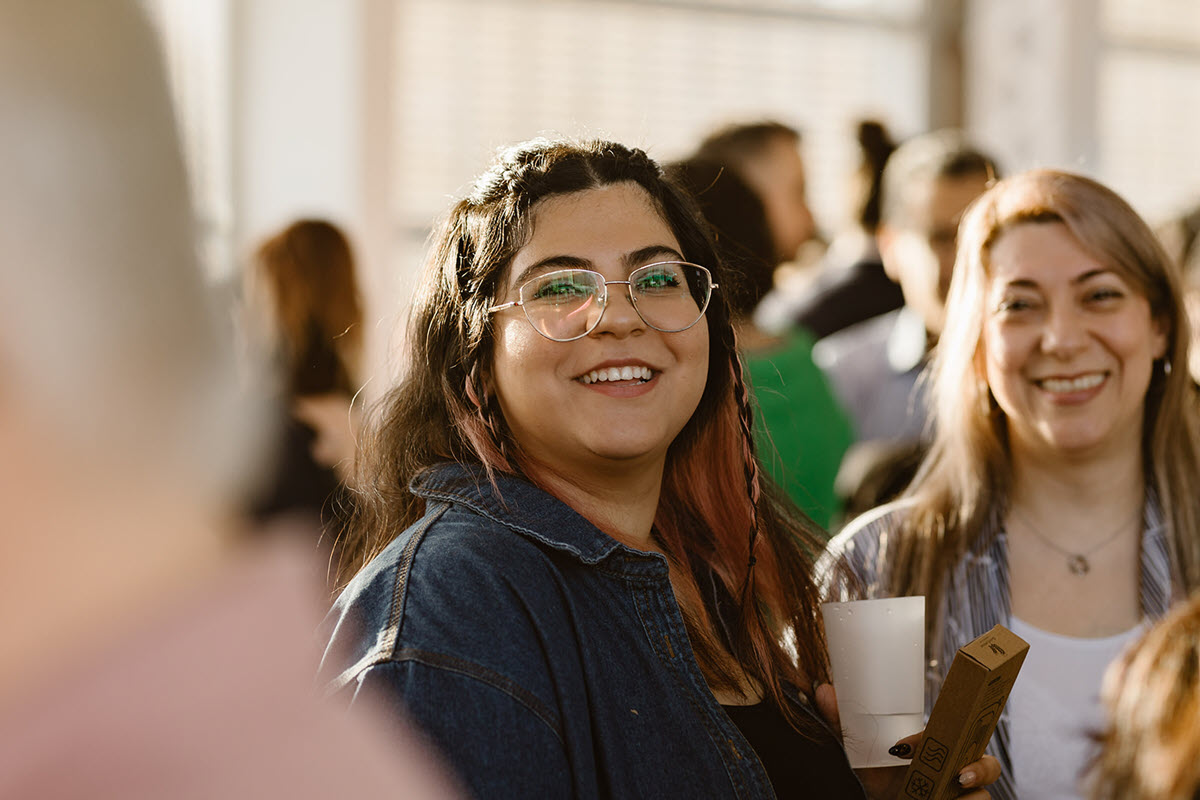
column 711, row 509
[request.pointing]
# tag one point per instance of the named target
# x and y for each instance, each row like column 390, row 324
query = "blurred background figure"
column 851, row 284
column 143, row 656
column 305, row 312
column 801, row 432
column 766, row 155
column 1151, row 747
column 874, row 365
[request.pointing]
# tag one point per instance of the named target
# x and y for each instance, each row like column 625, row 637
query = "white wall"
column 298, row 113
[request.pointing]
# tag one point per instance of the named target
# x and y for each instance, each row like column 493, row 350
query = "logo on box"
column 934, row 753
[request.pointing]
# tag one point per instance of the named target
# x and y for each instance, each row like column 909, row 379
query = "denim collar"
column 517, row 504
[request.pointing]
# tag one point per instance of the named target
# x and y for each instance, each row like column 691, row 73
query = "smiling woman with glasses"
column 564, row 562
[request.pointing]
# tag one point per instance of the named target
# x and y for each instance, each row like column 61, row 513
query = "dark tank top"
column 797, row 766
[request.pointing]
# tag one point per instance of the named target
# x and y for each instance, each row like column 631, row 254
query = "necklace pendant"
column 1078, row 565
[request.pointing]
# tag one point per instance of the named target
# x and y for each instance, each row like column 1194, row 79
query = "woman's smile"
column 1073, row 390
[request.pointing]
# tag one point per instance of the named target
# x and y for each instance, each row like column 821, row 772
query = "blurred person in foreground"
column 143, row 655
column 800, row 430
column 305, row 311
column 1150, row 749
column 1059, row 494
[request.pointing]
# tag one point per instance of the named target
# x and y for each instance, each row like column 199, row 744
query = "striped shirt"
column 975, row 595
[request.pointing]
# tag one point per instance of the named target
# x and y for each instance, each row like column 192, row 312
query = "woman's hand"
column 885, row 783
column 334, row 419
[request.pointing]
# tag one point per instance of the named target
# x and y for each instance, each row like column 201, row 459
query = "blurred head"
column 301, row 286
column 739, row 226
column 875, row 147
column 1091, row 229
column 927, row 185
column 767, row 156
column 1151, row 747
column 109, row 345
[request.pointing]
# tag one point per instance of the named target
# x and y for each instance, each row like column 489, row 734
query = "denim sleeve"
column 495, row 738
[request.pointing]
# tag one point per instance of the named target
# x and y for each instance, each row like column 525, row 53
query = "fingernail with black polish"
column 901, row 750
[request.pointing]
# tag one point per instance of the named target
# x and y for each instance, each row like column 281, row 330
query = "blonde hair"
column 1151, row 747
column 967, row 473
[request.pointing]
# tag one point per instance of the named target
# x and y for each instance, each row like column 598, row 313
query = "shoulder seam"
column 400, row 588
column 470, row 669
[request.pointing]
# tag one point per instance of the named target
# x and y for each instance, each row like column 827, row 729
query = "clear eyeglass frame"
column 604, row 297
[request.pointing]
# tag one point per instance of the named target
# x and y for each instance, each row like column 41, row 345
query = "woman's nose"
column 618, row 315
column 1064, row 332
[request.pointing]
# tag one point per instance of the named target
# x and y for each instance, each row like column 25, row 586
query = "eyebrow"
column 1029, row 283
column 632, row 260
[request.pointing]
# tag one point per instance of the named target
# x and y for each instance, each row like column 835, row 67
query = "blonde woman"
column 1058, row 497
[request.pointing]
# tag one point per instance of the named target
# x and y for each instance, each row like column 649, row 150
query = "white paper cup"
column 877, row 652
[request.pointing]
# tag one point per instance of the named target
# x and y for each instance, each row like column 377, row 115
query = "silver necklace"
column 1077, row 563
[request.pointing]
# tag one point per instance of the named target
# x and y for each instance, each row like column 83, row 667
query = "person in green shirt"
column 801, row 432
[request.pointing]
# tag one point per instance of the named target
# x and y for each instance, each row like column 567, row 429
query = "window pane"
column 1149, row 114
column 475, row 76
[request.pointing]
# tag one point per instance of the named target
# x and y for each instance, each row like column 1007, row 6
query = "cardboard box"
column 965, row 713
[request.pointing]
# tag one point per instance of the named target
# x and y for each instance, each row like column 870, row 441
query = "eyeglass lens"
column 567, row 304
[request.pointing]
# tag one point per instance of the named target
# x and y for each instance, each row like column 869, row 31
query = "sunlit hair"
column 968, row 474
column 738, row 143
column 302, row 290
column 442, row 411
column 1151, row 747
column 106, row 326
column 945, row 154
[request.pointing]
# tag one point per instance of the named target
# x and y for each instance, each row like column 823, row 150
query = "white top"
column 1054, row 710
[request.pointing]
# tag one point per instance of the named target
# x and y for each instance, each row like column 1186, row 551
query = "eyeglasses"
column 567, row 304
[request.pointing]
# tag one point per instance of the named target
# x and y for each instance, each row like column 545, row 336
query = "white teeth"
column 618, row 374
column 1080, row 384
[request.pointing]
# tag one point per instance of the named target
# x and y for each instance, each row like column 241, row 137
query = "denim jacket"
column 542, row 657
